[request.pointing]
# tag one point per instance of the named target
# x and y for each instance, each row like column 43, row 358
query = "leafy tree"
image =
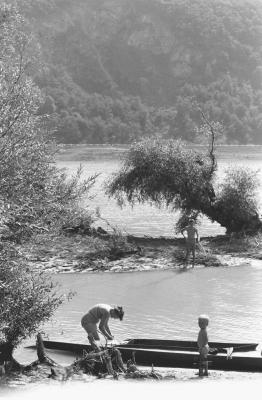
column 34, row 193
column 28, row 298
column 167, row 173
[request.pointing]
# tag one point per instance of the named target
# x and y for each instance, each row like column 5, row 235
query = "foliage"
column 236, row 200
column 28, row 298
column 102, row 57
column 163, row 172
column 34, row 193
column 167, row 173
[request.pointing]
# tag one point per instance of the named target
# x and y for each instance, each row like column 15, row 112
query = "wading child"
column 202, row 342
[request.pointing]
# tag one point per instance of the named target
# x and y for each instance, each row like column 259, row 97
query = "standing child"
column 202, row 342
column 191, row 239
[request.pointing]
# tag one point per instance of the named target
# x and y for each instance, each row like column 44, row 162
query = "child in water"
column 202, row 342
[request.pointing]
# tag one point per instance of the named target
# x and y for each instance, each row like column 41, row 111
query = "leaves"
column 35, row 195
column 163, row 172
column 28, row 298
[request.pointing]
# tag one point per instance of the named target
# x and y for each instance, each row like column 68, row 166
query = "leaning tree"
column 168, row 173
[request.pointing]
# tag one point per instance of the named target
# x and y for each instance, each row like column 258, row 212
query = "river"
column 162, row 304
column 166, row 304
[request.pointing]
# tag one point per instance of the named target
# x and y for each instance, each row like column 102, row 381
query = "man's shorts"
column 91, row 329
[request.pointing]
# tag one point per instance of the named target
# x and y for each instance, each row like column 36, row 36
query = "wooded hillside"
column 116, row 70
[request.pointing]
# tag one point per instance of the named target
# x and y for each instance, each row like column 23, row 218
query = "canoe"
column 187, row 345
column 160, row 344
column 173, row 357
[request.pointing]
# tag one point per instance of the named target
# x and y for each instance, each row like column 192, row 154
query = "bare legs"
column 92, row 342
column 203, row 366
column 190, row 249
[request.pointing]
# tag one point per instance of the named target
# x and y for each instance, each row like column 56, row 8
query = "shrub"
column 28, row 298
column 236, row 202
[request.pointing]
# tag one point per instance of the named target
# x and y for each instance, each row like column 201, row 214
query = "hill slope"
column 120, row 69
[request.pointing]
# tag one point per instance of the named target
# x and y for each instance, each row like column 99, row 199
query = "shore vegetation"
column 36, row 197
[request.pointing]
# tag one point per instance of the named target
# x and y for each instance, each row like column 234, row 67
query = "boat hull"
column 164, row 357
column 187, row 345
column 182, row 359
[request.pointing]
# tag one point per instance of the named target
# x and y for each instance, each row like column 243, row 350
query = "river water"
column 166, row 304
column 162, row 304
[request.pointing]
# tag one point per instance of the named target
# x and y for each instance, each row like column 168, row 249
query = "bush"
column 28, row 298
column 236, row 201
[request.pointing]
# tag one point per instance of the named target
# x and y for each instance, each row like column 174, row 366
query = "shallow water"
column 166, row 304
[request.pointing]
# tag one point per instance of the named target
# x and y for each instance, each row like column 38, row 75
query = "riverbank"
column 108, row 253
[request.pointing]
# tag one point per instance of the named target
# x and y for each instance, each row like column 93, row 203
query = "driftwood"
column 98, row 362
